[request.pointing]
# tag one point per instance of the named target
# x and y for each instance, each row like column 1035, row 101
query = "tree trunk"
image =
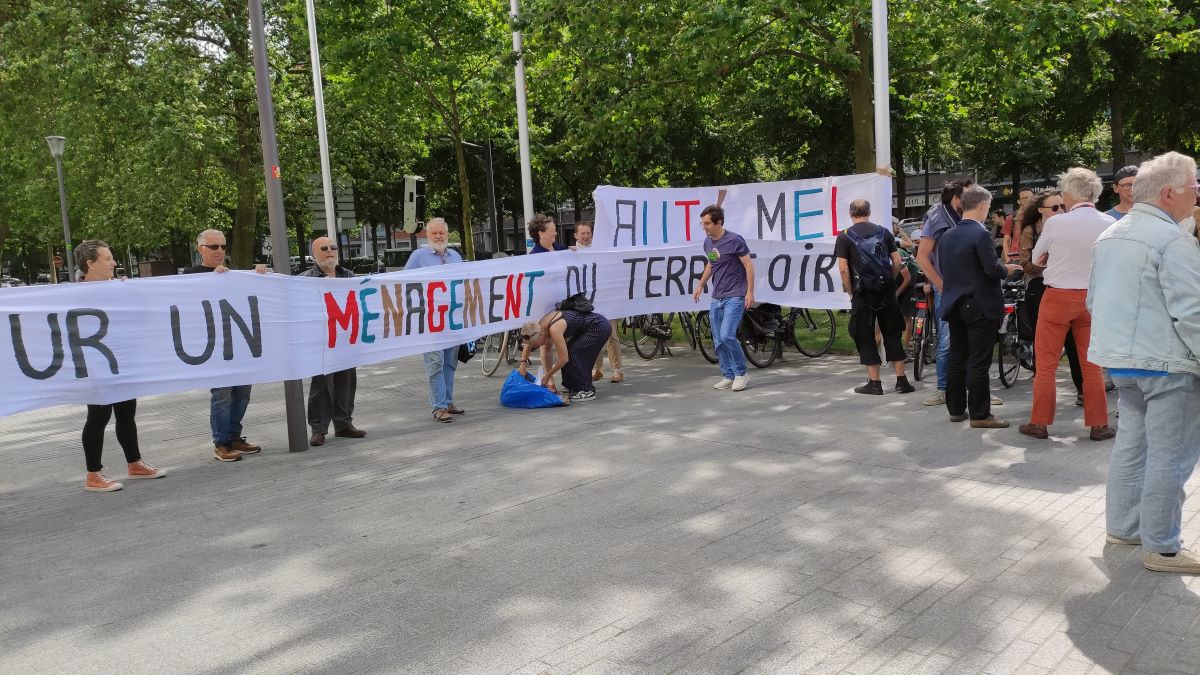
column 249, row 154
column 1116, row 107
column 245, row 168
column 464, row 188
column 862, row 108
column 4, row 230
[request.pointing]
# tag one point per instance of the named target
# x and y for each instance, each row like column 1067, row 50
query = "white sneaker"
column 937, row 399
column 1183, row 562
column 739, row 382
column 723, row 384
column 996, row 400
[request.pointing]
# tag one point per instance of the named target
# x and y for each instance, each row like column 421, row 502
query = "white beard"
column 328, row 267
column 440, row 248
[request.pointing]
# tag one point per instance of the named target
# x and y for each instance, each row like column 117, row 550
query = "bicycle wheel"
column 495, row 348
column 625, row 332
column 645, row 345
column 813, row 331
column 919, row 349
column 760, row 351
column 704, row 337
column 1008, row 359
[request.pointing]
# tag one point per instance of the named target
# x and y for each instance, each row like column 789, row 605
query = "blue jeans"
column 225, row 413
column 725, row 315
column 942, row 363
column 1156, row 449
column 439, row 370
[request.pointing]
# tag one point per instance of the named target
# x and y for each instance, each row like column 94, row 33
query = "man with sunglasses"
column 228, row 404
column 331, row 396
column 1123, row 186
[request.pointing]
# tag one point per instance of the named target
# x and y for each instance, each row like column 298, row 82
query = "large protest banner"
column 102, row 342
column 798, row 210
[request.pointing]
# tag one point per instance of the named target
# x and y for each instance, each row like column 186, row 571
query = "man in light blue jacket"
column 1144, row 297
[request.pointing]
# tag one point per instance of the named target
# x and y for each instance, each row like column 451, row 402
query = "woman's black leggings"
column 93, row 432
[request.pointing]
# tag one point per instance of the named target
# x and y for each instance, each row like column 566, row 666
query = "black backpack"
column 576, row 303
column 873, row 265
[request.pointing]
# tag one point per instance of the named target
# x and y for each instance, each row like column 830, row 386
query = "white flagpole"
column 522, row 122
column 883, row 126
column 322, row 137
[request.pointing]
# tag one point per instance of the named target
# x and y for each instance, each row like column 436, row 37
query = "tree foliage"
column 156, row 99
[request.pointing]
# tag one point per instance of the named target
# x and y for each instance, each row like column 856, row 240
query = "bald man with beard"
column 331, row 396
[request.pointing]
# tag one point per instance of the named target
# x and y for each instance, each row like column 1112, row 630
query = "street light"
column 57, row 145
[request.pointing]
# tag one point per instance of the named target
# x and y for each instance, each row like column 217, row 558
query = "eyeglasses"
column 1194, row 187
column 326, row 249
column 214, row 247
column 1124, row 186
column 1056, row 207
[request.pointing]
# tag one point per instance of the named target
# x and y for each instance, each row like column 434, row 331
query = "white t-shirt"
column 1068, row 238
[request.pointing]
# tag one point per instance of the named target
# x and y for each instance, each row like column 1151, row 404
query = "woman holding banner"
column 95, row 263
column 578, row 338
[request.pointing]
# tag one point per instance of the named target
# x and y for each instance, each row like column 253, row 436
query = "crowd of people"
column 1116, row 290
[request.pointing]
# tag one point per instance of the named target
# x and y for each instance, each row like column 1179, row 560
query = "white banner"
column 798, row 210
column 102, row 342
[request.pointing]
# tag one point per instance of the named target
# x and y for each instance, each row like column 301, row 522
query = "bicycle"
column 650, row 333
column 923, row 344
column 1013, row 352
column 812, row 331
column 498, row 347
column 761, row 334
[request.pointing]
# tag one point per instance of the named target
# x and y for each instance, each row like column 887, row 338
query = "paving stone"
column 664, row 527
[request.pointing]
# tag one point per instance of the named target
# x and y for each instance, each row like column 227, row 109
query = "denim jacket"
column 1144, row 295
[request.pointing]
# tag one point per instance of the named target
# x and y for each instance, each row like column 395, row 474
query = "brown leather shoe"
column 225, row 453
column 243, row 447
column 618, row 377
column 1103, row 433
column 316, row 439
column 957, row 418
column 597, row 375
column 455, row 410
column 990, row 422
column 349, row 431
column 1034, row 430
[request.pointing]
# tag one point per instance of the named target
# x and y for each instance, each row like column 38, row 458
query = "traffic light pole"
column 293, row 390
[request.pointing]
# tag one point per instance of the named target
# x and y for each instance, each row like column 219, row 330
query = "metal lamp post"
column 57, row 145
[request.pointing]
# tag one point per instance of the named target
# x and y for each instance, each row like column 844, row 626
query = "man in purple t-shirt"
column 732, row 274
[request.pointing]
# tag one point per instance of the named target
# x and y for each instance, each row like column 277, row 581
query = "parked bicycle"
column 1013, row 350
column 923, row 344
column 499, row 348
column 812, row 331
column 649, row 334
column 762, row 334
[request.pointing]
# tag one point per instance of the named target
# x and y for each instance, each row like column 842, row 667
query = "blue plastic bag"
column 523, row 392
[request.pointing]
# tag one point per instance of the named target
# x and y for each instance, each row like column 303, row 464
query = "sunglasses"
column 326, row 249
column 1056, row 207
column 214, row 247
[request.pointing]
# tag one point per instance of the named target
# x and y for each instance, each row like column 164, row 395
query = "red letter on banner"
column 437, row 313
column 512, row 297
column 337, row 318
column 687, row 216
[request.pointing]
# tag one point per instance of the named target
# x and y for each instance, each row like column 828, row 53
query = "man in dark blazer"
column 973, row 305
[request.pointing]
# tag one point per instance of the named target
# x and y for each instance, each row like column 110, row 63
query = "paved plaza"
column 665, row 527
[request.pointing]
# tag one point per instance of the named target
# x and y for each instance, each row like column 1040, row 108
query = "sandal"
column 441, row 415
column 454, row 410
